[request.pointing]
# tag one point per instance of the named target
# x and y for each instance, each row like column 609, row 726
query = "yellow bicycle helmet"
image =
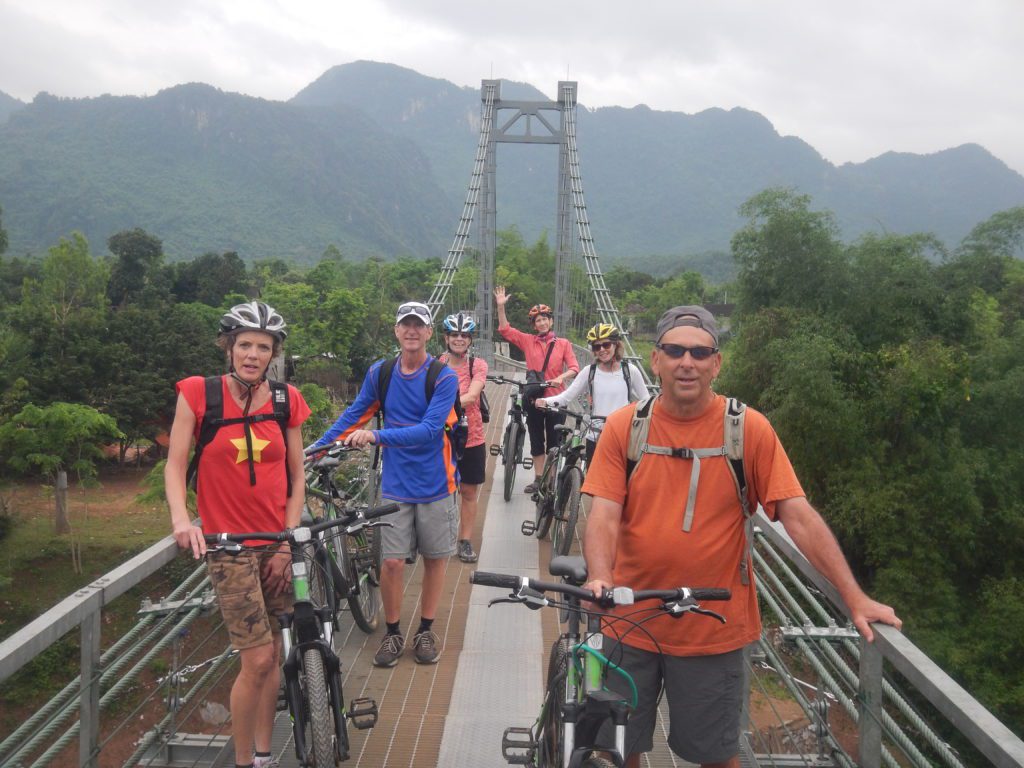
column 603, row 332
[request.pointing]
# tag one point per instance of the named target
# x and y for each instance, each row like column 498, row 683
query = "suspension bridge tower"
column 514, row 121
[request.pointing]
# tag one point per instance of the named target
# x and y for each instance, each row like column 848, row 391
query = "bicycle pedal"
column 527, row 463
column 363, row 713
column 282, row 702
column 528, row 528
column 495, row 449
column 518, row 746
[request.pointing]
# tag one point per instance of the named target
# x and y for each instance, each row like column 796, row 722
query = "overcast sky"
column 854, row 79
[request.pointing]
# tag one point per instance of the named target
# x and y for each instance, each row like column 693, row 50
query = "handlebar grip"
column 711, row 593
column 384, row 509
column 500, row 580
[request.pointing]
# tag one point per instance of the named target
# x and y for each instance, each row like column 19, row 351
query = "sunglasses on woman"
column 676, row 351
column 459, row 335
column 602, row 345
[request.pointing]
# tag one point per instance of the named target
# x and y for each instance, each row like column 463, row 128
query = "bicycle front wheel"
column 321, row 722
column 545, row 510
column 549, row 736
column 567, row 511
column 513, row 439
column 362, row 569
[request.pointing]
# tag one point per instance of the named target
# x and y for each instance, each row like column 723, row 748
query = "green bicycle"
column 576, row 704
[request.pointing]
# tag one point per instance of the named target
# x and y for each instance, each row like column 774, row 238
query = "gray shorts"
column 704, row 694
column 427, row 529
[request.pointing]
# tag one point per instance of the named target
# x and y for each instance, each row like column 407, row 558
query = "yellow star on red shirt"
column 243, row 453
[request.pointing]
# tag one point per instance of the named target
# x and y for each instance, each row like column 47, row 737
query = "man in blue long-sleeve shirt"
column 419, row 473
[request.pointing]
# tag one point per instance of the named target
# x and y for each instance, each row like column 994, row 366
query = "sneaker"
column 425, row 647
column 466, row 553
column 265, row 762
column 391, row 648
column 531, row 488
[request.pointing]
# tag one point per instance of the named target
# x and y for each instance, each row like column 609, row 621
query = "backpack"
column 485, row 406
column 732, row 450
column 456, row 432
column 623, row 366
column 213, row 420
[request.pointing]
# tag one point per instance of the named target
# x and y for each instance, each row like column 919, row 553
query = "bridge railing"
column 82, row 610
column 985, row 732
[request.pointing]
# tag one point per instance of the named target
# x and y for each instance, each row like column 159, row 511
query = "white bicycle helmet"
column 254, row 316
column 461, row 323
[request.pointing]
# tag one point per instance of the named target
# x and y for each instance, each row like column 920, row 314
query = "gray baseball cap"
column 692, row 315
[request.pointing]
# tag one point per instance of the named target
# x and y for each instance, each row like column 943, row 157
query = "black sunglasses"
column 420, row 310
column 676, row 351
column 602, row 345
column 459, row 335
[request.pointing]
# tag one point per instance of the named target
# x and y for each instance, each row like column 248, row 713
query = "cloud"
column 853, row 80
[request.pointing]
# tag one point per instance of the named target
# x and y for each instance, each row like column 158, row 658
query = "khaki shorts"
column 426, row 529
column 250, row 615
column 705, row 698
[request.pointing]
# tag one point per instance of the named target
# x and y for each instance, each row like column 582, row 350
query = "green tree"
column 60, row 436
column 211, row 277
column 3, row 234
column 788, row 255
column 138, row 257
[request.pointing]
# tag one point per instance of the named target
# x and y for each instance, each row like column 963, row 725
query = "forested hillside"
column 375, row 160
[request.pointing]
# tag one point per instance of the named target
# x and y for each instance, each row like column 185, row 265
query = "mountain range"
column 375, row 159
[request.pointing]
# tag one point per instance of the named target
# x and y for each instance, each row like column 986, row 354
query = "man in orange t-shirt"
column 635, row 537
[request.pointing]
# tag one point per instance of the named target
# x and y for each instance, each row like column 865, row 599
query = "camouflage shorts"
column 250, row 615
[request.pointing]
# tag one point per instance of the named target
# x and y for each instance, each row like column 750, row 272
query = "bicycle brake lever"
column 495, row 601
column 712, row 614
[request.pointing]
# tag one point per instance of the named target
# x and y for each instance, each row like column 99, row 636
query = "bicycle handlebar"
column 304, row 533
column 503, row 380
column 610, row 597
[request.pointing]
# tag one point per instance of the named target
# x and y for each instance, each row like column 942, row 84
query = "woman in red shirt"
column 561, row 365
column 243, row 485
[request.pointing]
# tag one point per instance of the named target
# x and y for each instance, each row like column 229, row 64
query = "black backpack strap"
column 213, row 419
column 624, row 365
column 384, row 381
column 436, row 366
column 281, row 398
column 590, row 380
column 547, row 357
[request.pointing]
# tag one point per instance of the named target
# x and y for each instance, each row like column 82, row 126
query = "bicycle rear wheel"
column 509, row 459
column 567, row 511
column 362, row 559
column 549, row 736
column 321, row 722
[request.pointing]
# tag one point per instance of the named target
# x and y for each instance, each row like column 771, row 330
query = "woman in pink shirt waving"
column 551, row 355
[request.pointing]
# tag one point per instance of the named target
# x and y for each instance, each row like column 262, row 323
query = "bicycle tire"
column 362, row 569
column 512, row 439
column 545, row 510
column 567, row 512
column 549, row 736
column 321, row 722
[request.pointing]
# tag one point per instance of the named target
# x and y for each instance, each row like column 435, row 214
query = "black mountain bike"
column 557, row 497
column 312, row 669
column 576, row 703
column 337, row 476
column 511, row 448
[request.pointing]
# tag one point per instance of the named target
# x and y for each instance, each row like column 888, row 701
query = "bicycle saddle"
column 572, row 568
